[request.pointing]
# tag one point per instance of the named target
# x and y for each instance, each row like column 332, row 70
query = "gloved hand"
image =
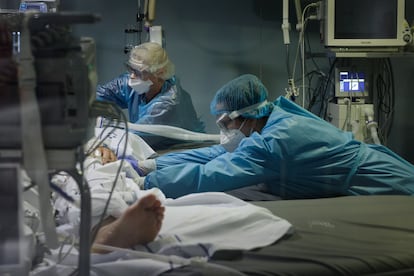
column 134, row 163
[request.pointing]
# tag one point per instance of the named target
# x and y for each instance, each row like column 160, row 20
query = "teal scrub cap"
column 245, row 94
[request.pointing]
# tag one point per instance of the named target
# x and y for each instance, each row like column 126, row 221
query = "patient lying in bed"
column 133, row 217
column 138, row 217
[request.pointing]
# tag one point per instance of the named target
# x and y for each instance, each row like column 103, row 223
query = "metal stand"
column 66, row 160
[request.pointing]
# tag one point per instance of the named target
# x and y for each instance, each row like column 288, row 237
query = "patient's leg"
column 139, row 224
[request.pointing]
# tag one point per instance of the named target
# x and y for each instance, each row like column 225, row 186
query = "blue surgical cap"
column 241, row 92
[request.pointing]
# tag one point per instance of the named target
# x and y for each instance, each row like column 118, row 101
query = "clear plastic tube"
column 174, row 132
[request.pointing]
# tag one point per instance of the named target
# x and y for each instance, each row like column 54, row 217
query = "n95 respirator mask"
column 140, row 86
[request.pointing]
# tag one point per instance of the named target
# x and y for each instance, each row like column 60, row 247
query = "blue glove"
column 134, row 163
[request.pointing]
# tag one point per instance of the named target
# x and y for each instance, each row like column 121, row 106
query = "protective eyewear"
column 137, row 73
column 248, row 112
column 226, row 118
column 223, row 121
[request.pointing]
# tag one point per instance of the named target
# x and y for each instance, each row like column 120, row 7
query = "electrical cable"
column 314, row 94
column 85, row 218
column 99, row 224
column 385, row 99
column 98, row 142
column 391, row 89
column 67, row 253
column 108, row 109
column 85, row 240
column 300, row 48
column 324, row 107
column 302, row 45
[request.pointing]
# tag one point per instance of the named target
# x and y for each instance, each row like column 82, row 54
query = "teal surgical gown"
column 297, row 155
column 172, row 106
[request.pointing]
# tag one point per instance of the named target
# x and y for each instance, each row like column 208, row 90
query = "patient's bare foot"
column 139, row 224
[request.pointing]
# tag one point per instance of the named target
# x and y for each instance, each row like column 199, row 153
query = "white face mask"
column 231, row 138
column 139, row 85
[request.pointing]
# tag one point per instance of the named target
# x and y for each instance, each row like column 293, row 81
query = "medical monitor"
column 41, row 6
column 35, row 6
column 365, row 24
column 63, row 88
column 351, row 83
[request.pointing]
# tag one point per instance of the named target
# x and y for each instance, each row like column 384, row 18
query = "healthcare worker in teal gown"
column 295, row 153
column 152, row 94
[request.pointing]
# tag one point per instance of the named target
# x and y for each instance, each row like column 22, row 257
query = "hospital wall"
column 213, row 41
column 210, row 42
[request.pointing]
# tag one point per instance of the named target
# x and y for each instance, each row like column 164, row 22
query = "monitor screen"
column 36, row 6
column 352, row 21
column 365, row 23
column 351, row 83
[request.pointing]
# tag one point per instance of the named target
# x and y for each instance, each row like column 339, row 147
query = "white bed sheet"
column 195, row 227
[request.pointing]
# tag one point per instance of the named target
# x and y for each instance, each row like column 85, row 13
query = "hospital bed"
column 355, row 235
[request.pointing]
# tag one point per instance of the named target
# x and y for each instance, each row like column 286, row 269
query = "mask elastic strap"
column 252, row 129
column 242, row 124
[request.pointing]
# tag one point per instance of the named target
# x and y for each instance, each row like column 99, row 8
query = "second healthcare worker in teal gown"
column 293, row 152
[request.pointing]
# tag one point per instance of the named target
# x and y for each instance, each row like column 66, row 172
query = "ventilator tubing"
column 174, row 132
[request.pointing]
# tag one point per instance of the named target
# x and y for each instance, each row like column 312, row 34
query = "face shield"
column 141, row 73
column 140, row 83
column 225, row 119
